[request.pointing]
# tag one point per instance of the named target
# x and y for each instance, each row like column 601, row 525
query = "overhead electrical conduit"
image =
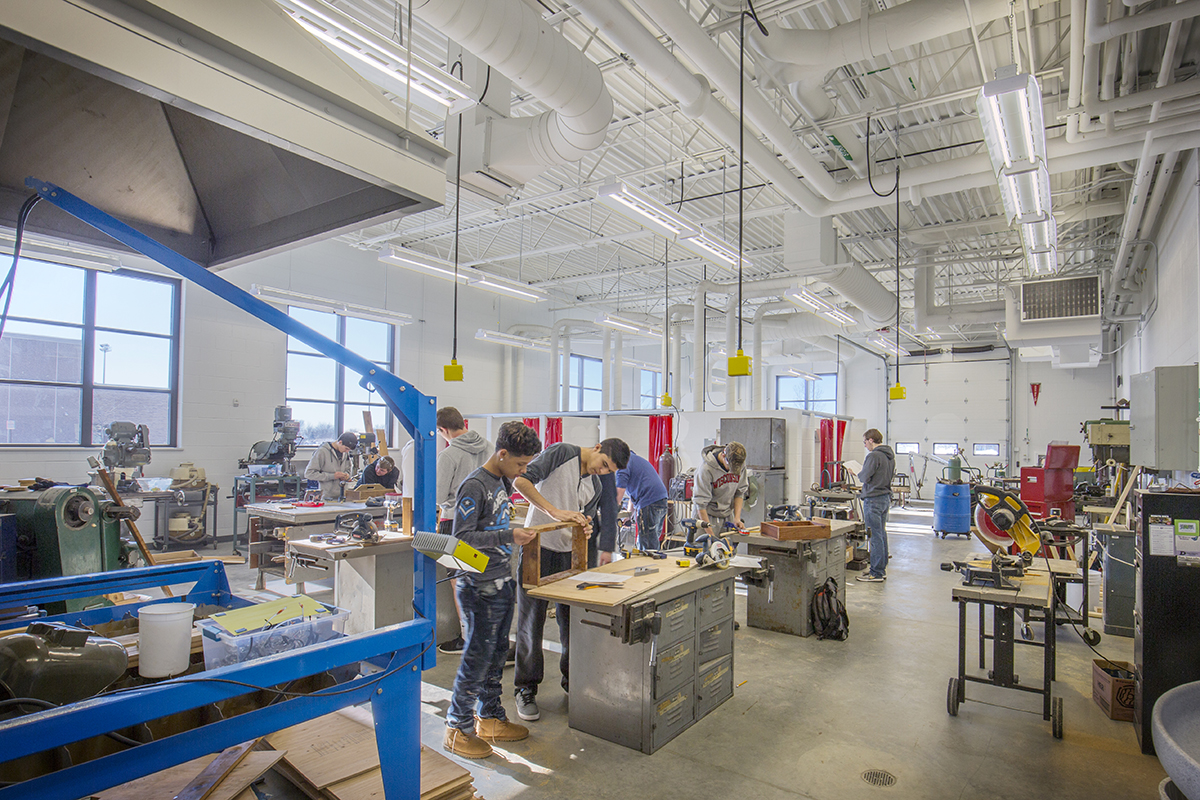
column 514, row 39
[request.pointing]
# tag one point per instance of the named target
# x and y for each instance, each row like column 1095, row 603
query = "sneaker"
column 867, row 577
column 465, row 744
column 527, row 707
column 500, row 730
column 453, row 646
column 511, row 658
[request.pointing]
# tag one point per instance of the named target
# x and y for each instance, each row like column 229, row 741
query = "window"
column 325, row 396
column 792, row 391
column 991, row 449
column 651, row 387
column 945, row 449
column 584, row 384
column 907, row 447
column 82, row 349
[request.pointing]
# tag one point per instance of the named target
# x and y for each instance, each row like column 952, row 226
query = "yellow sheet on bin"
column 262, row 615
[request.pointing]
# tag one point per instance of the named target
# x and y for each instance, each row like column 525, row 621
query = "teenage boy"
column 330, row 465
column 876, row 478
column 562, row 484
column 383, row 471
column 721, row 486
column 481, row 519
column 465, row 452
column 639, row 481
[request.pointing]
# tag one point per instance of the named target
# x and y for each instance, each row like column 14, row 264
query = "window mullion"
column 88, row 359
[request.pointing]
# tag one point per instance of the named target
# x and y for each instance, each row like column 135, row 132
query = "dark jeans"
column 531, row 624
column 875, row 514
column 650, row 525
column 487, row 613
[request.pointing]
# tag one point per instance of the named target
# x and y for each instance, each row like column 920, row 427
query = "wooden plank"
column 566, row 591
column 203, row 784
column 531, row 554
column 328, row 749
column 1124, row 496
column 441, row 778
column 381, row 440
column 169, row 782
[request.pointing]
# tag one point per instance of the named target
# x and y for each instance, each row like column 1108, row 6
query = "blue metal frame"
column 394, row 693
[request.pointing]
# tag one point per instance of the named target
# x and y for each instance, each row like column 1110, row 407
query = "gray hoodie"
column 321, row 467
column 715, row 487
column 556, row 472
column 463, row 455
column 878, row 468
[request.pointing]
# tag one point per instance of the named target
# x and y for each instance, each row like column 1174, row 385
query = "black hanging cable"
column 895, row 190
column 457, row 212
column 9, row 284
column 741, row 170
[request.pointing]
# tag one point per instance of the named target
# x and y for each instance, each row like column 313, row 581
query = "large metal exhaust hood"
column 219, row 127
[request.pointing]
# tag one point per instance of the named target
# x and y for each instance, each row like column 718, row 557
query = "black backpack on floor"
column 829, row 617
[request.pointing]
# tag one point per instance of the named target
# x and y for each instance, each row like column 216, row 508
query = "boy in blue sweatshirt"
column 482, row 513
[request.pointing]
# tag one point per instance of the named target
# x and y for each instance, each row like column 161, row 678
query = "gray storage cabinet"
column 763, row 438
column 620, row 695
column 801, row 568
column 1162, row 425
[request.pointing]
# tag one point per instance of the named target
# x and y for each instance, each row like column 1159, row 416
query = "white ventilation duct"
column 514, row 39
column 861, row 288
column 929, row 317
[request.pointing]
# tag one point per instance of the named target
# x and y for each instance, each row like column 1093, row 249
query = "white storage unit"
column 1162, row 410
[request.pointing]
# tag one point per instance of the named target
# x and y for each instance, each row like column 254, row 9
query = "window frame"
column 88, row 329
column 575, row 382
column 656, row 383
column 807, row 403
column 993, row 445
column 340, row 375
column 903, row 449
column 957, row 449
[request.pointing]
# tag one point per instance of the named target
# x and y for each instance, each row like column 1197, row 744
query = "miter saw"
column 1002, row 521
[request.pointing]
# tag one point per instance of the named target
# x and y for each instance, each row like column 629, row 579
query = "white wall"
column 233, row 366
column 1068, row 397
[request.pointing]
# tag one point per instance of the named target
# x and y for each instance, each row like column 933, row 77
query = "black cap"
column 349, row 439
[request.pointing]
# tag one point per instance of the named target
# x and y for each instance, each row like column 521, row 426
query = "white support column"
column 699, row 373
column 555, row 363
column 564, row 403
column 618, row 366
column 730, row 350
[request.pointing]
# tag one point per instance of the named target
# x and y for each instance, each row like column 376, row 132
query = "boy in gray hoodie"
column 876, row 477
column 721, row 486
column 465, row 452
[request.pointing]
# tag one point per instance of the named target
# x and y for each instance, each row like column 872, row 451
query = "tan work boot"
column 465, row 744
column 500, row 730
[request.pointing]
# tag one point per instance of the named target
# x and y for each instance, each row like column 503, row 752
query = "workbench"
column 374, row 582
column 248, row 489
column 300, row 523
column 157, row 507
column 801, row 567
column 635, row 688
column 1036, row 591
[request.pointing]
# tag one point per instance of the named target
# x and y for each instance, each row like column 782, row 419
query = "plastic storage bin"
column 222, row 648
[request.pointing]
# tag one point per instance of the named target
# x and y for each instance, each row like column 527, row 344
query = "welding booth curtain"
column 554, row 433
column 660, row 436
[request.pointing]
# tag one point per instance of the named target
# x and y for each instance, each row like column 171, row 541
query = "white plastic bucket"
column 164, row 639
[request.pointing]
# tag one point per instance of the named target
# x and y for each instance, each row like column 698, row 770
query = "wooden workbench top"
column 567, row 591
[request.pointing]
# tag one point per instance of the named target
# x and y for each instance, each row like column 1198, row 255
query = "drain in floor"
column 879, row 777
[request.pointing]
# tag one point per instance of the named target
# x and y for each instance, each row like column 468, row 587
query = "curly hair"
column 518, row 439
column 617, row 450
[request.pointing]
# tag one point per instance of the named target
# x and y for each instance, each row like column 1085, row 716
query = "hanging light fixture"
column 624, row 325
column 290, row 298
column 646, row 211
column 1010, row 112
column 437, row 268
column 814, row 302
column 799, row 373
column 887, row 346
column 512, row 340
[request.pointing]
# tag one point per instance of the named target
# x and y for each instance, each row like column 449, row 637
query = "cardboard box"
column 1114, row 695
column 364, row 492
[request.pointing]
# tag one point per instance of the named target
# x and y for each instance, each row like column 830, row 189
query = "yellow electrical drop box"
column 665, row 400
column 453, row 371
column 897, row 392
column 739, row 365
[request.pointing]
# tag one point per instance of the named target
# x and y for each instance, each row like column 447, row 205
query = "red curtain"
column 660, row 436
column 534, row 423
column 553, row 431
column 841, row 436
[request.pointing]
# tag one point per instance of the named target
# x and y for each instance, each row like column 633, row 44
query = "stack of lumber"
column 335, row 757
column 229, row 778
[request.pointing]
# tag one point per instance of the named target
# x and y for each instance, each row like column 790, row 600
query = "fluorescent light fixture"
column 288, row 297
column 812, row 301
column 799, row 373
column 883, row 343
column 381, row 60
column 714, row 248
column 61, row 251
column 512, row 340
column 1010, row 112
column 646, row 211
column 504, row 286
column 627, row 326
column 932, row 336
column 419, row 262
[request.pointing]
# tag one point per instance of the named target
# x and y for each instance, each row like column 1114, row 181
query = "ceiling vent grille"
column 1066, row 298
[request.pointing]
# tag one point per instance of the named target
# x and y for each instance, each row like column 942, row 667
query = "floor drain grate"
column 879, row 777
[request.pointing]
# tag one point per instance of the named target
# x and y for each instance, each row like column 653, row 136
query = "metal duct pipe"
column 670, row 367
column 861, row 288
column 555, row 363
column 564, row 401
column 930, row 317
column 731, row 312
column 1100, row 32
column 605, row 373
column 758, row 380
column 699, row 376
column 618, row 368
column 515, row 40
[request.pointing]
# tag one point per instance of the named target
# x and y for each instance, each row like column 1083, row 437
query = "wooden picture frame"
column 531, row 554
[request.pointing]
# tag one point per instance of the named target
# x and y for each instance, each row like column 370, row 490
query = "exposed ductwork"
column 929, row 317
column 861, row 288
column 514, row 39
column 157, row 113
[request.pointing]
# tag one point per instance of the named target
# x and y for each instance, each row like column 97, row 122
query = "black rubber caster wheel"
column 952, row 698
column 1091, row 637
column 1056, row 717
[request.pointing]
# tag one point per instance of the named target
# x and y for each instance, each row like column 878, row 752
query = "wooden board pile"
column 221, row 776
column 335, row 757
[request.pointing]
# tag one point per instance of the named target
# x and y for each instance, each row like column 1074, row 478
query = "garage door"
column 960, row 402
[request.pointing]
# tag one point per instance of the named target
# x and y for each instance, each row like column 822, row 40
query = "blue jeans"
column 487, row 615
column 650, row 525
column 875, row 513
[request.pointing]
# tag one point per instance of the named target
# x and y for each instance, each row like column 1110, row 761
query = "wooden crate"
column 531, row 555
column 367, row 491
column 791, row 531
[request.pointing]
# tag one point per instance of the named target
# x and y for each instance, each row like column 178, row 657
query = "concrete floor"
column 810, row 717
